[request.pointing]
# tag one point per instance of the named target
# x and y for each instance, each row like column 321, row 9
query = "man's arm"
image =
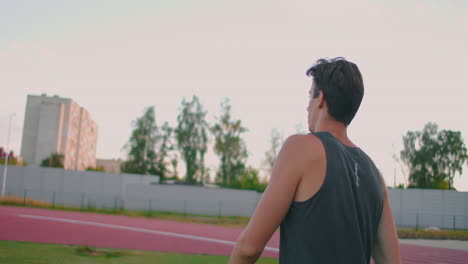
column 386, row 248
column 274, row 203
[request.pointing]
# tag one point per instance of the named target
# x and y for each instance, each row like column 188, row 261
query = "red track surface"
column 52, row 226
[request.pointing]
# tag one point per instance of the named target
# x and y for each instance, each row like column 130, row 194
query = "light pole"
column 6, row 156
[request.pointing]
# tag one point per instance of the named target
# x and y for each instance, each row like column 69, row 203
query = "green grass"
column 34, row 253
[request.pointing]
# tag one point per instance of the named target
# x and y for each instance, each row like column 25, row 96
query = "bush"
column 54, row 161
column 13, row 161
column 249, row 181
column 100, row 168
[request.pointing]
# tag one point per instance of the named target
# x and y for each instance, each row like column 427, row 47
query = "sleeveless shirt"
column 339, row 223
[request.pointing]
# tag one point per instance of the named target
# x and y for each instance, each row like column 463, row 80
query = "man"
column 326, row 193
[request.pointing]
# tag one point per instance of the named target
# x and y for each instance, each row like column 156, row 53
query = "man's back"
column 339, row 223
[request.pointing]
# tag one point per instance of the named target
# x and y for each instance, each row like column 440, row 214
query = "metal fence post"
column 443, row 210
column 466, row 211
column 454, row 223
column 53, row 200
column 82, row 201
column 417, row 221
column 25, row 195
column 149, row 207
column 401, row 207
column 220, row 206
column 185, row 208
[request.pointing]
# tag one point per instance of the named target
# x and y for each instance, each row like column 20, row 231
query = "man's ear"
column 321, row 100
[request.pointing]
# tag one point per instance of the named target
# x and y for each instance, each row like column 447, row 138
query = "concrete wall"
column 423, row 207
column 411, row 207
column 74, row 188
column 191, row 199
column 134, row 192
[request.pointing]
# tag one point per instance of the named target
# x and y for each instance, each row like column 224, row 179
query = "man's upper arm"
column 276, row 200
column 386, row 248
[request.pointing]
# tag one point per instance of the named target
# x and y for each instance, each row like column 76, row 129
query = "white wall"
column 424, row 207
column 134, row 192
column 74, row 188
column 191, row 199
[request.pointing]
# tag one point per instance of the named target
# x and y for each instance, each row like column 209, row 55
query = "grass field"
column 34, row 253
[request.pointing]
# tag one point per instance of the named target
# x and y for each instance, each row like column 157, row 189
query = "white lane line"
column 136, row 229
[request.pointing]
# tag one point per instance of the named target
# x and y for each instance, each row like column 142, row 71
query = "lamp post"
column 6, row 156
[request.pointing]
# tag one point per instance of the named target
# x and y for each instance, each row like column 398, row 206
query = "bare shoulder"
column 308, row 146
column 301, row 139
column 309, row 164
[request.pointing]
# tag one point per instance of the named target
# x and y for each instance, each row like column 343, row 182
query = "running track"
column 73, row 228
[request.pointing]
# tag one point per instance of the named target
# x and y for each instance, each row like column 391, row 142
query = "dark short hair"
column 341, row 83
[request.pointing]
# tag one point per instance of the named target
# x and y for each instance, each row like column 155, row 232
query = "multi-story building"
column 58, row 125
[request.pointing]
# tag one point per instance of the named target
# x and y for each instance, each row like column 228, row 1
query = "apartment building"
column 58, row 125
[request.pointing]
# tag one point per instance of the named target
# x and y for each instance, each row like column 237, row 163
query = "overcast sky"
column 115, row 58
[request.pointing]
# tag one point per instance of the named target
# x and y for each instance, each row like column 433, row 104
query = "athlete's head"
column 337, row 90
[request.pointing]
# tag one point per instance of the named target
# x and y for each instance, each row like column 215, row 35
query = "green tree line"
column 155, row 150
column 432, row 157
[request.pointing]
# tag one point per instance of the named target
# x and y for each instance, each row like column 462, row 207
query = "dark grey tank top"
column 339, row 223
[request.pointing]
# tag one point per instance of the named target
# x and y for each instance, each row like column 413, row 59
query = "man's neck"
column 337, row 129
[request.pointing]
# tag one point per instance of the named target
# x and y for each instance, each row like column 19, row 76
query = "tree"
column 174, row 163
column 249, row 180
column 3, row 154
column 165, row 145
column 229, row 146
column 276, row 140
column 192, row 138
column 12, row 160
column 55, row 160
column 148, row 146
column 433, row 157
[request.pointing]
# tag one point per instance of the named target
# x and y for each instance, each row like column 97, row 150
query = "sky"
column 115, row 58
